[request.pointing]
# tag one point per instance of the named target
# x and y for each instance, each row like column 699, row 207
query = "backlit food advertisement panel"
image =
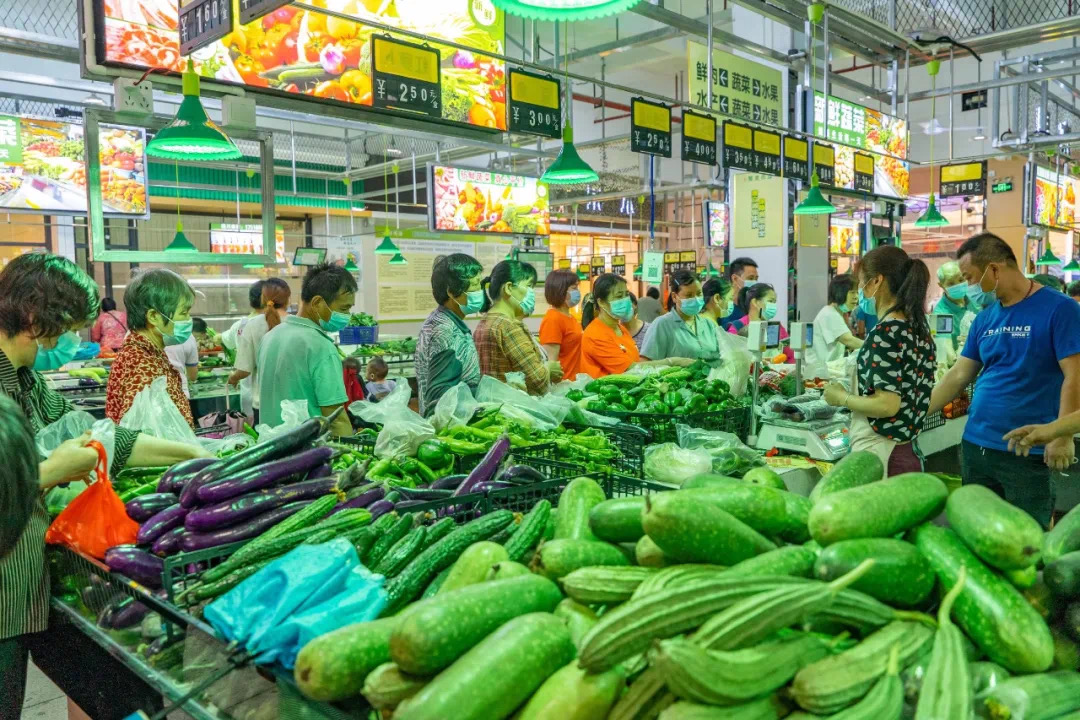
column 1053, row 200
column 866, row 129
column 717, row 223
column 244, row 239
column 304, row 52
column 43, row 169
column 844, row 236
column 482, row 201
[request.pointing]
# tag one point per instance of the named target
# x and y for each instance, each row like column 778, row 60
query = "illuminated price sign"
column 597, row 265
column 688, row 260
column 966, row 179
column 650, row 128
column 671, row 260
column 203, row 22
column 534, row 105
column 405, row 76
column 255, row 9
column 698, row 138
column 796, row 159
column 767, row 152
column 565, row 264
column 825, row 163
column 618, row 264
column 583, row 269
column 864, row 172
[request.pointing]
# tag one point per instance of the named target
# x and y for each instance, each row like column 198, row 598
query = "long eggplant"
column 168, row 543
column 321, row 471
column 191, row 541
column 521, row 475
column 278, row 447
column 122, row 613
column 448, row 482
column 136, row 564
column 363, row 500
column 363, row 490
column 493, row 485
column 487, row 467
column 161, row 523
column 424, row 493
column 238, row 509
column 380, row 508
column 263, row 476
column 145, row 507
column 169, row 481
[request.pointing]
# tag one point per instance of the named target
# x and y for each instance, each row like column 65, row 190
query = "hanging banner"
column 652, row 270
column 698, row 138
column 741, row 88
column 757, row 210
column 717, row 220
column 864, row 172
column 405, row 76
column 796, row 159
column 534, row 104
column 865, row 129
column 254, row 9
column 650, row 128
column 825, row 163
column 965, row 179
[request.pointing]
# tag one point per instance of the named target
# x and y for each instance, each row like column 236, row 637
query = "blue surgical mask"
column 528, row 303
column 729, row 309
column 55, row 357
column 337, row 321
column 181, row 332
column 958, row 291
column 474, row 303
column 750, row 283
column 982, row 298
column 574, row 297
column 770, row 310
column 842, row 307
column 622, row 309
column 867, row 304
column 692, row 306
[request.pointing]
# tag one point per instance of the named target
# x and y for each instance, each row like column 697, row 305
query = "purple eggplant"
column 362, row 490
column 363, row 500
column 145, row 507
column 263, row 476
column 426, row 494
column 170, row 479
column 122, row 613
column 380, row 508
column 521, row 475
column 135, row 563
column 238, row 509
column 191, row 541
column 161, row 523
column 321, row 471
column 487, row 467
column 448, row 482
column 168, row 543
column 493, row 485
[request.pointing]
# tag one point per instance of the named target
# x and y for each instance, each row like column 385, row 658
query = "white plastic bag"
column 671, row 464
column 455, row 408
column 729, row 454
column 154, row 412
column 70, row 426
column 735, row 362
column 403, row 429
column 518, row 405
column 293, row 414
column 577, row 383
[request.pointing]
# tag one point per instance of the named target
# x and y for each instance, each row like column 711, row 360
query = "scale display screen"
column 809, row 335
column 309, row 256
column 772, row 335
column 943, row 324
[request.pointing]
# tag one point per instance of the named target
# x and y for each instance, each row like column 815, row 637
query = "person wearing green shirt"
column 298, row 360
column 954, row 300
column 683, row 332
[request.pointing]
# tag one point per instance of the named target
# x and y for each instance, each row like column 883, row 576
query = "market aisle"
column 43, row 701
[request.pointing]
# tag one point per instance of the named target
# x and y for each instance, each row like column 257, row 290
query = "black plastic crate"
column 629, row 441
column 364, row 443
column 183, row 570
column 622, row 486
column 462, row 509
column 525, row 454
column 735, row 420
column 522, row 498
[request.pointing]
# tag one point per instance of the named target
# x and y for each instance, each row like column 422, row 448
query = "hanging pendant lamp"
column 565, row 10
column 814, row 203
column 180, row 243
column 1048, row 258
column 350, row 265
column 932, row 217
column 637, row 272
column 192, row 135
column 1073, row 266
column 568, row 168
column 387, row 247
column 399, row 259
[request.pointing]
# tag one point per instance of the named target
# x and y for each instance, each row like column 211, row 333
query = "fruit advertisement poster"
column 473, row 200
column 1053, row 202
column 244, row 239
column 861, row 127
column 302, row 51
column 43, row 169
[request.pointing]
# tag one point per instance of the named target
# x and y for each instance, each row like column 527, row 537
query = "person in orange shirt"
column 560, row 333
column 607, row 344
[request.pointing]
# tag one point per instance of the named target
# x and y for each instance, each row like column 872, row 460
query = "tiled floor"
column 43, row 701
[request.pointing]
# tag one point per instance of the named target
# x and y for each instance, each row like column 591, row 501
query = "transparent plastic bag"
column 669, row 463
column 519, row 405
column 578, row 383
column 154, row 412
column 403, row 429
column 69, row 426
column 729, row 455
column 455, row 408
column 293, row 413
column 735, row 362
column 516, row 380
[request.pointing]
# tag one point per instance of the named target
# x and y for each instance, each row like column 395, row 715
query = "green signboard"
column 10, row 144
column 741, row 88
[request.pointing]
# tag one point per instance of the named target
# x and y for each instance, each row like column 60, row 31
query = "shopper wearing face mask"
column 158, row 304
column 560, row 334
column 743, row 273
column 445, row 352
column 607, row 343
column 298, row 359
column 757, row 303
column 832, row 335
column 953, row 296
column 682, row 332
column 1026, row 343
column 502, row 341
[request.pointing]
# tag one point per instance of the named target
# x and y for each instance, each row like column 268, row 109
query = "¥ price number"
column 699, row 151
column 651, row 142
column 416, row 95
column 203, row 22
column 535, row 120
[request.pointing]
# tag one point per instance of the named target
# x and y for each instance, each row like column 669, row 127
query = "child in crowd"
column 378, row 386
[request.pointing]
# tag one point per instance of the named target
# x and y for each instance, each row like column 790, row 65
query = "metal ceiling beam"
column 793, row 15
column 38, row 45
column 700, row 28
column 1024, row 36
column 622, row 44
column 990, row 84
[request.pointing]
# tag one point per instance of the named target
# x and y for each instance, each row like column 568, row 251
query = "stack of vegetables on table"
column 674, row 390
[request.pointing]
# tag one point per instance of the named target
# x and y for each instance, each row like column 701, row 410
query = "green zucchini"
column 333, row 666
column 496, row 676
column 688, row 530
column 531, row 531
column 766, row 708
column 648, row 554
column 579, row 619
column 1042, row 696
column 386, row 686
column 900, row 575
column 796, row 516
column 473, row 565
column 760, row 507
column 404, row 550
column 1063, row 538
column 605, row 585
column 576, row 501
column 559, row 558
column 388, row 539
column 618, row 520
column 789, row 560
column 999, row 533
column 880, row 509
column 991, row 611
column 860, row 467
column 1062, row 576
column 432, row 636
column 946, row 688
column 572, row 694
column 506, row 569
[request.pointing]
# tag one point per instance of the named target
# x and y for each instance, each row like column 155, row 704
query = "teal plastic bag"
column 307, row 592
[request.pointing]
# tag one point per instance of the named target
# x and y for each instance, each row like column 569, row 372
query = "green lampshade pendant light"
column 351, row 266
column 192, row 135
column 387, row 247
column 253, row 266
column 932, row 217
column 1048, row 258
column 637, row 272
column 399, row 259
column 568, row 168
column 180, row 243
column 814, row 203
column 565, row 10
column 582, row 276
column 1073, row 266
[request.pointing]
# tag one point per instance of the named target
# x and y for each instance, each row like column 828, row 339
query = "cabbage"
column 669, row 463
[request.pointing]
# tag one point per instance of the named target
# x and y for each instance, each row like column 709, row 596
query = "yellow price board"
column 964, row 179
column 740, row 136
column 534, row 105
column 405, row 76
column 650, row 128
column 565, row 263
column 796, row 159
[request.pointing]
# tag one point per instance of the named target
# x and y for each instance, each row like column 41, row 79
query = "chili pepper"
column 464, row 447
column 380, row 467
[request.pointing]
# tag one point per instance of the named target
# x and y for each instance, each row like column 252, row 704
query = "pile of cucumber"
column 874, row 599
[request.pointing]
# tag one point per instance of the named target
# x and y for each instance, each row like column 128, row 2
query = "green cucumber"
column 388, row 539
column 438, row 530
column 762, row 508
column 1063, row 538
column 333, row 666
column 860, row 467
column 473, row 564
column 558, row 558
column 789, row 560
column 880, row 509
column 991, row 611
column 618, row 520
column 1063, row 576
column 900, row 575
column 688, row 529
column 579, row 619
column 506, row 569
column 404, row 550
column 796, row 516
column 986, row 676
column 765, row 476
column 529, row 534
column 433, row 635
column 1022, row 579
column 549, row 526
column 573, row 694
column 496, row 676
column 435, row 584
column 1001, row 534
column 648, row 554
column 576, row 501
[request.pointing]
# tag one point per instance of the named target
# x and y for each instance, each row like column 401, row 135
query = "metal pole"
column 709, row 44
column 1022, row 97
column 907, row 86
column 952, row 82
column 895, row 85
column 825, row 69
column 892, row 14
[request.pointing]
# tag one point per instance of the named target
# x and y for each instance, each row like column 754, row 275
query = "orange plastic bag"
column 96, row 519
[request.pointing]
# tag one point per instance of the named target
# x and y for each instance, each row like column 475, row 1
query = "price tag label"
column 254, row 9
column 767, row 152
column 965, row 179
column 698, row 138
column 671, row 260
column 864, row 172
column 405, row 76
column 618, row 264
column 825, row 163
column 584, row 269
column 796, row 159
column 202, row 22
column 535, row 104
column 565, row 264
column 650, row 128
column 597, row 265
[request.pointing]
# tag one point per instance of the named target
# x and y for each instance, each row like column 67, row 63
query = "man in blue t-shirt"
column 1026, row 342
column 743, row 272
